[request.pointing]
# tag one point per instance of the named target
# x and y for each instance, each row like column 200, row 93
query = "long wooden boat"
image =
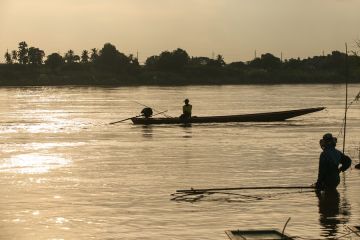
column 255, row 117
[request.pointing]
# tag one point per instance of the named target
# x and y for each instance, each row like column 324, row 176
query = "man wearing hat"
column 330, row 160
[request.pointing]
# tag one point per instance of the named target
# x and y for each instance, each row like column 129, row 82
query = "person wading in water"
column 331, row 163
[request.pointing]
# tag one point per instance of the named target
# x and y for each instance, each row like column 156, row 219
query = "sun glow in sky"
column 233, row 28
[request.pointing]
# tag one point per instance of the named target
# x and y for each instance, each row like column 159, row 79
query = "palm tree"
column 94, row 55
column 23, row 53
column 14, row 55
column 8, row 57
column 70, row 57
column 85, row 56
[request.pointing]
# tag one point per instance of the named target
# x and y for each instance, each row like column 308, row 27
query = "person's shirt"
column 187, row 108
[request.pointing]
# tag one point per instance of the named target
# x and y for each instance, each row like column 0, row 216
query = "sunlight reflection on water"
column 32, row 163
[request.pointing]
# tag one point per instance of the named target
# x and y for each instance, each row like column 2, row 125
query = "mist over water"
column 65, row 173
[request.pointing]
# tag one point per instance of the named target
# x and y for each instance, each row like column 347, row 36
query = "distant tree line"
column 30, row 65
column 108, row 57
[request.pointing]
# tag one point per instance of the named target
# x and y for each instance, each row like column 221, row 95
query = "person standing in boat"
column 330, row 160
column 187, row 108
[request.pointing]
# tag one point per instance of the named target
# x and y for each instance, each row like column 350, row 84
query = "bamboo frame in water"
column 200, row 190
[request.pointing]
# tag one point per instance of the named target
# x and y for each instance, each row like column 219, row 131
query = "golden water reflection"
column 32, row 163
column 66, row 173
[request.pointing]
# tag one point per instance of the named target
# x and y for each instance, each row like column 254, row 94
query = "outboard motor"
column 147, row 112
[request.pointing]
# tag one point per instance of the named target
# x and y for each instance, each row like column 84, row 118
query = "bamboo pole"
column 346, row 95
column 201, row 190
column 158, row 112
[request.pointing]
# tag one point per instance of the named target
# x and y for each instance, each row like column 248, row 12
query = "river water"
column 65, row 173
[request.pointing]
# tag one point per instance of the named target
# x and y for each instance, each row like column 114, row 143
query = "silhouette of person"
column 187, row 109
column 147, row 112
column 330, row 160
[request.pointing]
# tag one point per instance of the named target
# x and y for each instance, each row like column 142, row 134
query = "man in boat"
column 187, row 108
column 330, row 160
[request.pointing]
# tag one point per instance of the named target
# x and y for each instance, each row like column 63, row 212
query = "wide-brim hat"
column 328, row 137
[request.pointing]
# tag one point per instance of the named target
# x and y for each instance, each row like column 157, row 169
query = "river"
column 65, row 173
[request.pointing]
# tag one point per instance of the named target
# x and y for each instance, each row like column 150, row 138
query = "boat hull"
column 255, row 117
column 272, row 234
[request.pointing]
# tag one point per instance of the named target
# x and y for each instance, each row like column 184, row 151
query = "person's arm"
column 345, row 162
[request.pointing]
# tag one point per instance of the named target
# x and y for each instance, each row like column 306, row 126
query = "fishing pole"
column 203, row 190
column 123, row 120
column 347, row 106
column 160, row 112
column 356, row 99
column 346, row 95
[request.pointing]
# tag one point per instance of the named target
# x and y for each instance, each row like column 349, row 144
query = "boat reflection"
column 187, row 130
column 334, row 212
column 147, row 131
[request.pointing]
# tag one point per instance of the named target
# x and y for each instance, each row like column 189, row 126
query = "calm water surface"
column 65, row 173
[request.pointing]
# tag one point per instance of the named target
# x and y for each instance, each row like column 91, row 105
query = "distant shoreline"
column 109, row 67
column 25, row 75
column 166, row 79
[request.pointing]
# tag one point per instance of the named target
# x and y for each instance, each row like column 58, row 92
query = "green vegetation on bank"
column 28, row 66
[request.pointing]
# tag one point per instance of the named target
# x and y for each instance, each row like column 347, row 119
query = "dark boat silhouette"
column 254, row 117
column 271, row 234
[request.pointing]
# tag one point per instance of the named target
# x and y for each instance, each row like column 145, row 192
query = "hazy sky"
column 233, row 28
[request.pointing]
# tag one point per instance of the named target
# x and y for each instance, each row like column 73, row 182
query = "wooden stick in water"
column 192, row 190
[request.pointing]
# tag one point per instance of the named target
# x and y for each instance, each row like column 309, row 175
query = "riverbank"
column 19, row 75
